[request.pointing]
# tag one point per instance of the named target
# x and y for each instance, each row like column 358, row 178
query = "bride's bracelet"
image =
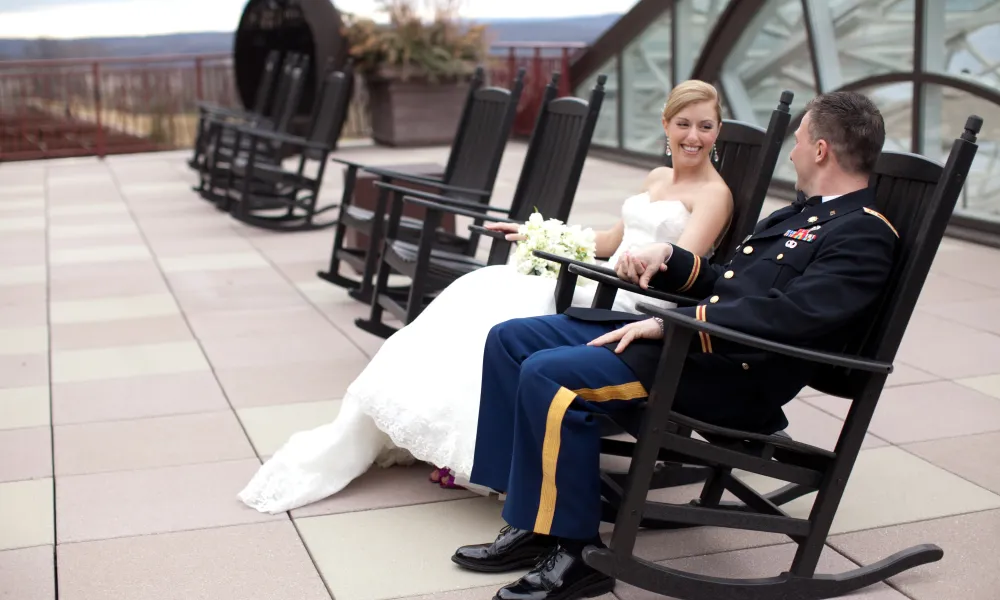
column 659, row 322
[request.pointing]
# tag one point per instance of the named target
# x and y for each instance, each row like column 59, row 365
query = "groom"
column 808, row 275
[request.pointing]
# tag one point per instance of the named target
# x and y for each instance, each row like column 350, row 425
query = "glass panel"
column 981, row 193
column 695, row 20
column 606, row 129
column 873, row 36
column 969, row 45
column 894, row 101
column 646, row 77
column 772, row 55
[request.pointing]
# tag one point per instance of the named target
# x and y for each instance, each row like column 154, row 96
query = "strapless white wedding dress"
column 419, row 396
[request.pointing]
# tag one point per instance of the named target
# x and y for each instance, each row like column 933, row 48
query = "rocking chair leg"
column 331, row 274
column 363, row 293
column 373, row 324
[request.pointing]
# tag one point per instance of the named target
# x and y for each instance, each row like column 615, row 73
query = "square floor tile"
column 25, row 204
column 23, row 315
column 248, row 562
column 28, row 574
column 194, row 283
column 757, row 563
column 136, row 397
column 214, row 262
column 418, row 540
column 149, row 443
column 127, row 361
column 100, row 254
column 24, row 407
column 113, row 308
column 252, row 323
column 82, row 282
column 269, row 427
column 24, row 293
column 114, row 229
column 912, row 413
column 26, row 370
column 889, row 486
column 813, row 426
column 24, row 340
column 989, row 384
column 291, row 383
column 173, row 248
column 265, row 351
column 384, row 488
column 972, row 457
column 968, row 570
column 33, row 451
column 97, row 208
column 26, row 514
column 22, row 224
column 126, row 332
column 949, row 349
column 61, row 245
column 127, row 503
column 22, row 275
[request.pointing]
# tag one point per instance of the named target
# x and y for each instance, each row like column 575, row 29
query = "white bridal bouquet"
column 555, row 237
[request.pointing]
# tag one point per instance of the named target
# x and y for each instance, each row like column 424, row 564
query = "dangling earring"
column 668, row 146
column 715, row 153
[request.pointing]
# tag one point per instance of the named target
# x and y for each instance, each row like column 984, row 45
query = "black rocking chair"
column 548, row 181
column 226, row 143
column 747, row 158
column 281, row 187
column 260, row 110
column 480, row 140
column 918, row 196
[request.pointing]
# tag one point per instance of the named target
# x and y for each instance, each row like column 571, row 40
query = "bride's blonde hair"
column 690, row 92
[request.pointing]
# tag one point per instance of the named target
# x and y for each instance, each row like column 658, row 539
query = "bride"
column 418, row 397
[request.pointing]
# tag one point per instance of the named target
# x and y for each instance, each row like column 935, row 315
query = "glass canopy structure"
column 928, row 64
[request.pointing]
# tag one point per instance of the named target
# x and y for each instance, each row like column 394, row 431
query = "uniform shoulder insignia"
column 879, row 215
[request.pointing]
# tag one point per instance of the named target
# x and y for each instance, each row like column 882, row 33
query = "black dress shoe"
column 513, row 549
column 562, row 575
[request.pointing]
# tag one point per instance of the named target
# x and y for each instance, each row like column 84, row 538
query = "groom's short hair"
column 853, row 127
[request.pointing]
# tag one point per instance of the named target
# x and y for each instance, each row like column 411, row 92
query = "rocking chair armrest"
column 477, row 206
column 421, row 179
column 562, row 260
column 497, row 235
column 610, row 277
column 417, row 179
column 455, row 210
column 834, row 359
column 232, row 113
column 283, row 138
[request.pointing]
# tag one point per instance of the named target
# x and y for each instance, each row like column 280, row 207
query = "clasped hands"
column 638, row 267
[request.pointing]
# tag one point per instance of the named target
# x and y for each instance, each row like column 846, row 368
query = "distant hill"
column 569, row 29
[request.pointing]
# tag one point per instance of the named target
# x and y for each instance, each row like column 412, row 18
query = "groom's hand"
column 639, row 266
column 650, row 329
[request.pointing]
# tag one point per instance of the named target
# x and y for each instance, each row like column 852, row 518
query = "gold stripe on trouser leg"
column 553, row 439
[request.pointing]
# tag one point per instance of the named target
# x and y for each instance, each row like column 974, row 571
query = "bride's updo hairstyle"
column 690, row 92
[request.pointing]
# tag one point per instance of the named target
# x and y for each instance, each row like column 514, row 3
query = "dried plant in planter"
column 431, row 45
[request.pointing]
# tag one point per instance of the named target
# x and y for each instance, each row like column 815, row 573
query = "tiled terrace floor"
column 152, row 352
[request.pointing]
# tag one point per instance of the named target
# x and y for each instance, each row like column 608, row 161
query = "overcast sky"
column 89, row 18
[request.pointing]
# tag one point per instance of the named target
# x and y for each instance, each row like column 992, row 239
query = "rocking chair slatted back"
column 554, row 160
column 556, row 153
column 916, row 195
column 486, row 127
column 262, row 98
column 328, row 117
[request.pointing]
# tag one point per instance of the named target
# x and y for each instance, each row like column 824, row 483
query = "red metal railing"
column 86, row 107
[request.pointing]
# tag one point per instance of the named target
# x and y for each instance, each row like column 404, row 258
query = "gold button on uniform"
column 813, row 219
column 728, row 274
column 748, row 250
column 780, row 256
column 713, row 299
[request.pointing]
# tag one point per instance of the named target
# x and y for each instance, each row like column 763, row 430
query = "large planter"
column 415, row 112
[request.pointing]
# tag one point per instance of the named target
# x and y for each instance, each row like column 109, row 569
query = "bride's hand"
column 649, row 329
column 639, row 266
column 509, row 228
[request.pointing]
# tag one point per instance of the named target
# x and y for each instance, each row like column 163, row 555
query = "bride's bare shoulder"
column 664, row 174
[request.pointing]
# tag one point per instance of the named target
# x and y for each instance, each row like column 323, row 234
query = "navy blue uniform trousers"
column 537, row 438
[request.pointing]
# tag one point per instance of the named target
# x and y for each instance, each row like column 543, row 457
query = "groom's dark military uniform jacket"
column 808, row 278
